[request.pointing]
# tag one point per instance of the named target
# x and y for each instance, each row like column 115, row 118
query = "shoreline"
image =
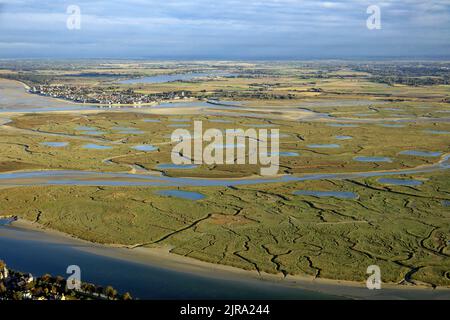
column 162, row 257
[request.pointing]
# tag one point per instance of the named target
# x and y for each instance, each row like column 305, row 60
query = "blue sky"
column 227, row 29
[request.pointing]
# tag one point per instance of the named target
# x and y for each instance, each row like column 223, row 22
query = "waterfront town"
column 106, row 96
column 16, row 285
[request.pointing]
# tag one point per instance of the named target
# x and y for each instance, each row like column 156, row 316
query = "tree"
column 127, row 296
column 110, row 292
column 2, row 288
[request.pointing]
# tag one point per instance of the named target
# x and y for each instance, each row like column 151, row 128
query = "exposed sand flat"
column 13, row 95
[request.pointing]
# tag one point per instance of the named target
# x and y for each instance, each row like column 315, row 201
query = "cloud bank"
column 227, row 29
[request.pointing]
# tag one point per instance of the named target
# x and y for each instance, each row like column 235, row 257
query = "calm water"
column 145, row 148
column 182, row 194
column 343, row 137
column 373, row 159
column 323, row 194
column 38, row 253
column 421, row 153
column 96, row 146
column 55, row 144
column 152, row 120
column 286, row 154
column 324, row 146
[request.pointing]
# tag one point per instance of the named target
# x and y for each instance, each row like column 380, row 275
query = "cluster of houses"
column 22, row 286
column 15, row 285
column 106, row 96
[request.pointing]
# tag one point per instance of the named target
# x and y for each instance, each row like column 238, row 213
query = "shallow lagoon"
column 55, row 144
column 145, row 148
column 373, row 159
column 420, row 153
column 343, row 137
column 323, row 146
column 187, row 195
column 152, row 120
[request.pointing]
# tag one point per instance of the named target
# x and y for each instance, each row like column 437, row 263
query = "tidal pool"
column 343, row 137
column 324, row 194
column 282, row 154
column 152, row 120
column 373, row 159
column 420, row 153
column 229, row 146
column 323, row 146
column 182, row 194
column 287, row 154
column 400, row 182
column 145, row 148
column 55, row 144
column 96, row 146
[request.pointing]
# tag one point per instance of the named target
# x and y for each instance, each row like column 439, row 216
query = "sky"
column 225, row 29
